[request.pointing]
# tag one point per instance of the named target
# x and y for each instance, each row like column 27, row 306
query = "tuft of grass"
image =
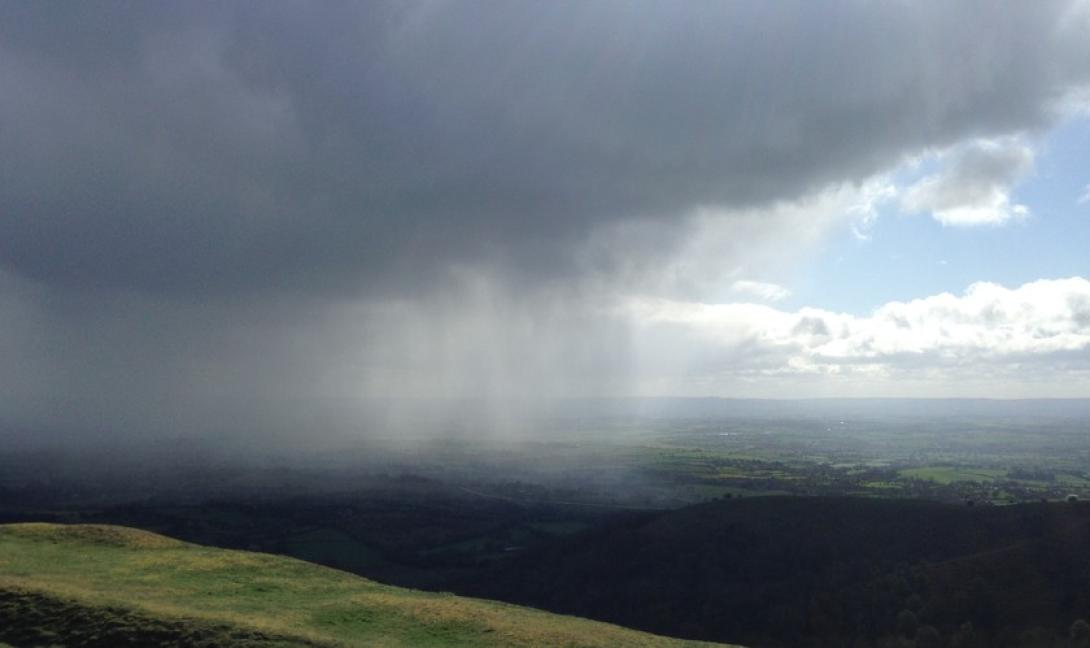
column 103, row 585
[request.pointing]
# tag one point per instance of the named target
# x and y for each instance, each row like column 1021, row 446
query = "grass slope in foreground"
column 104, row 585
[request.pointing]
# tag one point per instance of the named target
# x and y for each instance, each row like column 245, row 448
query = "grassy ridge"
column 114, row 585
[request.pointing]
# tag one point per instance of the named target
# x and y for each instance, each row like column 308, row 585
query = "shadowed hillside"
column 821, row 572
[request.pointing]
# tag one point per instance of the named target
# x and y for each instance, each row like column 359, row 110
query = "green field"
column 108, row 585
column 951, row 474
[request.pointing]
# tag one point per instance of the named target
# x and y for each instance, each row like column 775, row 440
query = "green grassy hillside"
column 95, row 585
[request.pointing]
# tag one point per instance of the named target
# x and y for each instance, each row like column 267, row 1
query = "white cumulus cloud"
column 1037, row 332
column 974, row 185
column 761, row 289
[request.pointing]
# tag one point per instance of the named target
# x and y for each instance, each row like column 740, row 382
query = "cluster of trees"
column 910, row 633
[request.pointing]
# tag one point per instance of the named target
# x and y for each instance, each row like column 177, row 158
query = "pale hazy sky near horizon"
column 264, row 202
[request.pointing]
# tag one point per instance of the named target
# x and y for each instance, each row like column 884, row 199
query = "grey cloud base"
column 196, row 149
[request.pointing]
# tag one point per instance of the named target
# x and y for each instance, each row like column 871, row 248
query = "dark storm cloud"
column 195, row 149
column 211, row 213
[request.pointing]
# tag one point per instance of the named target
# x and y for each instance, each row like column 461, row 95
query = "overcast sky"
column 207, row 204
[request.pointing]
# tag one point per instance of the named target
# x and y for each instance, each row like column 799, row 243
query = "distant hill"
column 782, row 571
column 1031, row 409
column 98, row 585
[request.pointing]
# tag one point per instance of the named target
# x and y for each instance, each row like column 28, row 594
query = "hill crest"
column 120, row 580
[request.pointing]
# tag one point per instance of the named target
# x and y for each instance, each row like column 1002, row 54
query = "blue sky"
column 909, row 256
